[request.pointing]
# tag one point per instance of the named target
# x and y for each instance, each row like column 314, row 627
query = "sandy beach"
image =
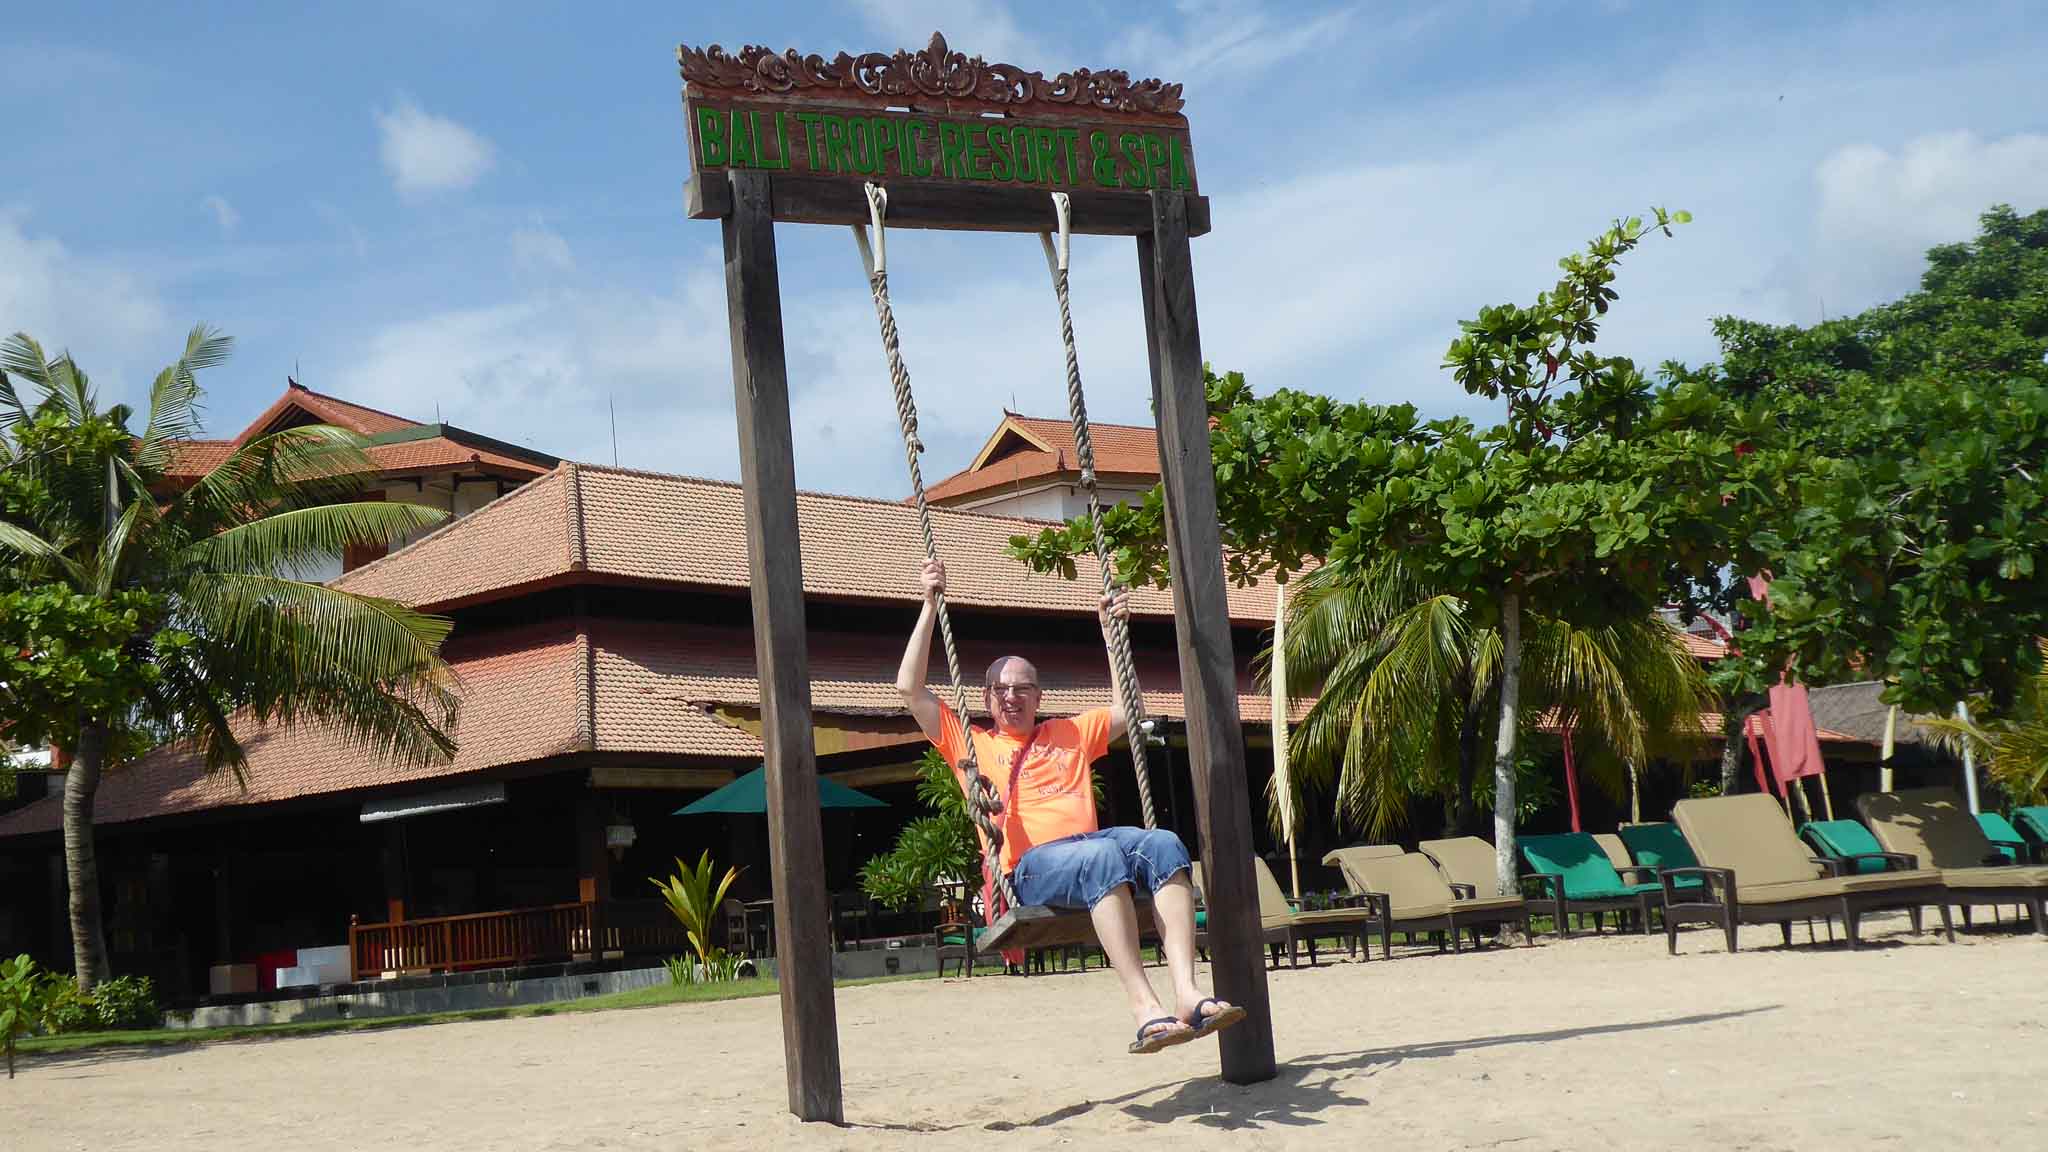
column 1586, row 1043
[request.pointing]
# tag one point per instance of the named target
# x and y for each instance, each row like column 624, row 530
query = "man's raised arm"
column 917, row 657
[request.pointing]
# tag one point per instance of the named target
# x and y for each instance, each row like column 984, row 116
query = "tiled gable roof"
column 1025, row 449
column 643, row 526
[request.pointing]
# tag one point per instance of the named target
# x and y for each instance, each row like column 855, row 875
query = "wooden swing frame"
column 748, row 200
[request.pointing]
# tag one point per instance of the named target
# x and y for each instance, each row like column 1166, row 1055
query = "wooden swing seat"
column 1036, row 926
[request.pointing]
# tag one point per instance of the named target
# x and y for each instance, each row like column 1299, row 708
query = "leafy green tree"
column 1905, row 534
column 1598, row 496
column 136, row 614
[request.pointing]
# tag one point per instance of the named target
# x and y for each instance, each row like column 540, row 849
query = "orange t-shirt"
column 1048, row 792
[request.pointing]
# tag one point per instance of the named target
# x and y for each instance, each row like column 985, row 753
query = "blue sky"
column 460, row 209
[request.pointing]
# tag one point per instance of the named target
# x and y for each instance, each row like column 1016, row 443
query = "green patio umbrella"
column 749, row 793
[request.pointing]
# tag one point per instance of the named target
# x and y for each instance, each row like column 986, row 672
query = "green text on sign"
column 895, row 146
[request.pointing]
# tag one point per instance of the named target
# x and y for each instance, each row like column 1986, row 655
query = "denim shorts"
column 1080, row 870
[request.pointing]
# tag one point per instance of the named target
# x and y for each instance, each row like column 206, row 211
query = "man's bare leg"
column 1173, row 906
column 1116, row 927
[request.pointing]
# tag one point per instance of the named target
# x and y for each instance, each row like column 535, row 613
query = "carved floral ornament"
column 935, row 73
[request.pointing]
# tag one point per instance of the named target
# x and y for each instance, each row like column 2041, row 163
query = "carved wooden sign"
column 933, row 117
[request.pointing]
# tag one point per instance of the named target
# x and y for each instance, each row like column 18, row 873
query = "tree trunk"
column 81, row 867
column 1468, row 767
column 1504, row 746
column 1732, row 742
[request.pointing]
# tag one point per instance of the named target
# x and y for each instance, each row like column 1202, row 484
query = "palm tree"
column 2015, row 745
column 255, row 645
column 1402, row 679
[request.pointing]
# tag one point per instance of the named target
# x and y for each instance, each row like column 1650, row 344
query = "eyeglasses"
column 1014, row 690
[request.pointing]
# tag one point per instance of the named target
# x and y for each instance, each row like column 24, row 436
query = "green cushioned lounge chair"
column 1572, row 874
column 2032, row 823
column 2005, row 839
column 1847, row 841
column 1661, row 846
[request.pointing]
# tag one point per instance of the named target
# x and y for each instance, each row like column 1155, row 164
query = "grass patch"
column 656, row 996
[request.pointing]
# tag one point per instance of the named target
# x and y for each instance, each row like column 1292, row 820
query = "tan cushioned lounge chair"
column 1283, row 926
column 1466, row 860
column 1758, row 871
column 1932, row 825
column 1419, row 899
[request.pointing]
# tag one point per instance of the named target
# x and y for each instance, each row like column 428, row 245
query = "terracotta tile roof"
column 325, row 409
column 1704, row 647
column 1026, row 449
column 522, row 697
column 645, row 671
column 673, row 529
column 195, row 458
column 439, row 454
column 1712, row 723
column 538, row 691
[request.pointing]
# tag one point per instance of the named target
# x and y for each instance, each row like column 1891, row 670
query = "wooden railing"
column 517, row 936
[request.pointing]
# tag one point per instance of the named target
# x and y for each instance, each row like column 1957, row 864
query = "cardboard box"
column 231, row 979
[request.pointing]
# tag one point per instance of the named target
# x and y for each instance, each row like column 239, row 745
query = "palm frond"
column 114, row 547
column 21, row 356
column 26, row 544
column 298, row 540
column 312, row 631
column 12, row 410
column 297, row 467
column 174, row 413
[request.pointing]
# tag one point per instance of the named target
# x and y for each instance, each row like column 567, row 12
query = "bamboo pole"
column 1283, row 777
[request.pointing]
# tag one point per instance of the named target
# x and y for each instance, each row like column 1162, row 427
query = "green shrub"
column 21, row 994
column 126, row 1003
column 64, row 1008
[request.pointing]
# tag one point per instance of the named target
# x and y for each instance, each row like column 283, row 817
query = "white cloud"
column 224, row 214
column 1880, row 209
column 1212, row 38
column 104, row 313
column 428, row 153
column 539, row 370
column 536, row 247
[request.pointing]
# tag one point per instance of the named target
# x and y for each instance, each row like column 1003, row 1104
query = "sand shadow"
column 1305, row 1087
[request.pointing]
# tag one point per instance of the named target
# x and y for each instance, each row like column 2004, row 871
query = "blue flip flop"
column 1206, row 1025
column 1164, row 1038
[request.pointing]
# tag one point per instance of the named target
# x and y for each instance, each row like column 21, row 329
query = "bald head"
column 1012, row 695
column 1020, row 671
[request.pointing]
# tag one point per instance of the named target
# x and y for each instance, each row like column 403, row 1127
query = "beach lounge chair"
column 1466, row 861
column 1758, row 871
column 1847, row 841
column 1574, row 875
column 2005, row 839
column 1660, row 846
column 1417, row 898
column 1283, row 926
column 2032, row 823
column 1617, row 852
column 1933, row 825
column 1286, row 926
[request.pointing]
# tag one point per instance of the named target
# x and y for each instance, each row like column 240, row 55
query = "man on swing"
column 1043, row 776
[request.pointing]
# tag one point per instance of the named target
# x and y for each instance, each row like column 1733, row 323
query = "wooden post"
column 1208, row 674
column 796, row 860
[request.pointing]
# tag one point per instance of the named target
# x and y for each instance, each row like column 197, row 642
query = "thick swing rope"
column 978, row 788
column 1084, row 452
